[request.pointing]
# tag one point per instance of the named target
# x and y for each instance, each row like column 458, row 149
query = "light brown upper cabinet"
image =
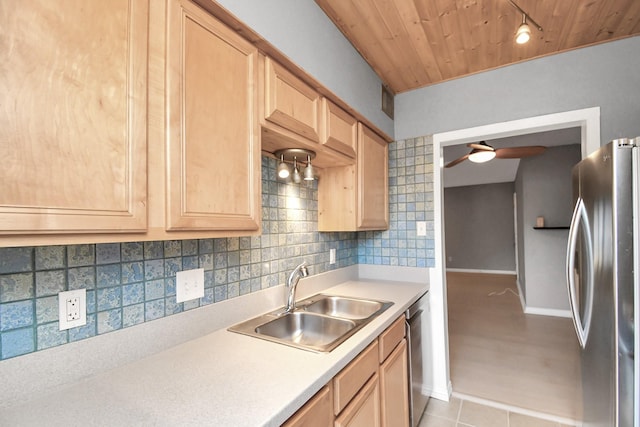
column 289, row 102
column 338, row 129
column 213, row 155
column 373, row 180
column 293, row 116
column 355, row 198
column 73, row 115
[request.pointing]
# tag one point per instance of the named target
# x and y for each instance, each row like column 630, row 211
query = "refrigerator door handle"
column 580, row 222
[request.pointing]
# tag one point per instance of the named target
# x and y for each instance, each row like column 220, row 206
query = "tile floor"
column 459, row 412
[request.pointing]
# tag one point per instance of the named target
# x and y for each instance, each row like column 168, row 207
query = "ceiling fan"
column 482, row 152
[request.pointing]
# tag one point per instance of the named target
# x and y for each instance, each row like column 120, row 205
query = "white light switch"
column 421, row 228
column 332, row 256
column 189, row 284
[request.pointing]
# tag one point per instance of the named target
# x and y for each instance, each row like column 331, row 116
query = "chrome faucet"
column 298, row 272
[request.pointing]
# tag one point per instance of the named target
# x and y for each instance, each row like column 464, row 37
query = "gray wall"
column 302, row 31
column 605, row 75
column 479, row 227
column 543, row 187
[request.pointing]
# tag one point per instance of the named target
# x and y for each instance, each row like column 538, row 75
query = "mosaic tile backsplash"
column 134, row 282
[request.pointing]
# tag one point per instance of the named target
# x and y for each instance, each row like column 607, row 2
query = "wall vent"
column 387, row 101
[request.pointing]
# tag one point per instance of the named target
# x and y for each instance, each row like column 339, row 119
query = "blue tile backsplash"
column 134, row 282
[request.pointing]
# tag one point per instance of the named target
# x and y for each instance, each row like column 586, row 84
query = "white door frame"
column 588, row 120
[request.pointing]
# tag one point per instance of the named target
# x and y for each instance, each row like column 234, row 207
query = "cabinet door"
column 373, row 177
column 394, row 388
column 73, row 116
column 213, row 155
column 317, row 412
column 364, row 409
column 338, row 129
column 289, row 102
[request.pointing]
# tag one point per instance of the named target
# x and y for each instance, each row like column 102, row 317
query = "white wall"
column 606, row 75
column 301, row 30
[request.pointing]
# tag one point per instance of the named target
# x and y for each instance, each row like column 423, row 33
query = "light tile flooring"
column 459, row 412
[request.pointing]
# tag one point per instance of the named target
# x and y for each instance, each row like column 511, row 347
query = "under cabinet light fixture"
column 308, row 171
column 291, row 155
column 523, row 34
column 297, row 178
column 283, row 169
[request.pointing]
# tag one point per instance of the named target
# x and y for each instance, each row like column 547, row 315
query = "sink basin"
column 307, row 329
column 347, row 308
column 319, row 323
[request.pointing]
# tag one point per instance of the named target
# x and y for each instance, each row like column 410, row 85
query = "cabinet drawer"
column 391, row 337
column 317, row 412
column 351, row 379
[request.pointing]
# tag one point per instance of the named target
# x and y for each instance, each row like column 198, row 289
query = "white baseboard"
column 470, row 270
column 440, row 394
column 554, row 312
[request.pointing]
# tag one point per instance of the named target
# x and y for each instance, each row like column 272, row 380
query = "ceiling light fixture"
column 481, row 156
column 292, row 155
column 523, row 34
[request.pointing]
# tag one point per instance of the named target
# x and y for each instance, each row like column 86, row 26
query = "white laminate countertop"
column 221, row 379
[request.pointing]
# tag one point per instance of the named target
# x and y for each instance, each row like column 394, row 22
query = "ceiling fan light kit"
column 481, row 156
column 482, row 152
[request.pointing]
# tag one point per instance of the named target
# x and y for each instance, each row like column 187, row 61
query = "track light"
column 523, row 34
column 291, row 155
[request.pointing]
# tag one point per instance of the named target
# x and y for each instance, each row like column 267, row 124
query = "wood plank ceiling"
column 416, row 43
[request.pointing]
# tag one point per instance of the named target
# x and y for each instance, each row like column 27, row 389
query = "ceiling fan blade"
column 519, row 152
column 456, row 161
column 481, row 146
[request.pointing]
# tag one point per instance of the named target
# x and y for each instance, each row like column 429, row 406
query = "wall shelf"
column 550, row 228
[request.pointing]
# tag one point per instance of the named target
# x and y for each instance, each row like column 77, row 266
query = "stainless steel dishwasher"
column 417, row 323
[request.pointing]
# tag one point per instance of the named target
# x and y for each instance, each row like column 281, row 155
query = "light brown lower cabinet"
column 394, row 388
column 371, row 391
column 364, row 409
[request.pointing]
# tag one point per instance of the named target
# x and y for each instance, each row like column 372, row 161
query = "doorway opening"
column 588, row 120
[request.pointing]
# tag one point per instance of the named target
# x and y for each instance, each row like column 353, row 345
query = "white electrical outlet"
column 189, row 284
column 72, row 309
column 332, row 256
column 421, row 228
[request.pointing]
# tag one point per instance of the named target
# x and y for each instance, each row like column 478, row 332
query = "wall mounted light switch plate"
column 189, row 284
column 332, row 256
column 421, row 228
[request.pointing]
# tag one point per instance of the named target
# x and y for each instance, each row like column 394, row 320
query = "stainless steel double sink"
column 319, row 323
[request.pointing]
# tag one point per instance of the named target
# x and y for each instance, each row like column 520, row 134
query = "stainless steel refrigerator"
column 602, row 276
